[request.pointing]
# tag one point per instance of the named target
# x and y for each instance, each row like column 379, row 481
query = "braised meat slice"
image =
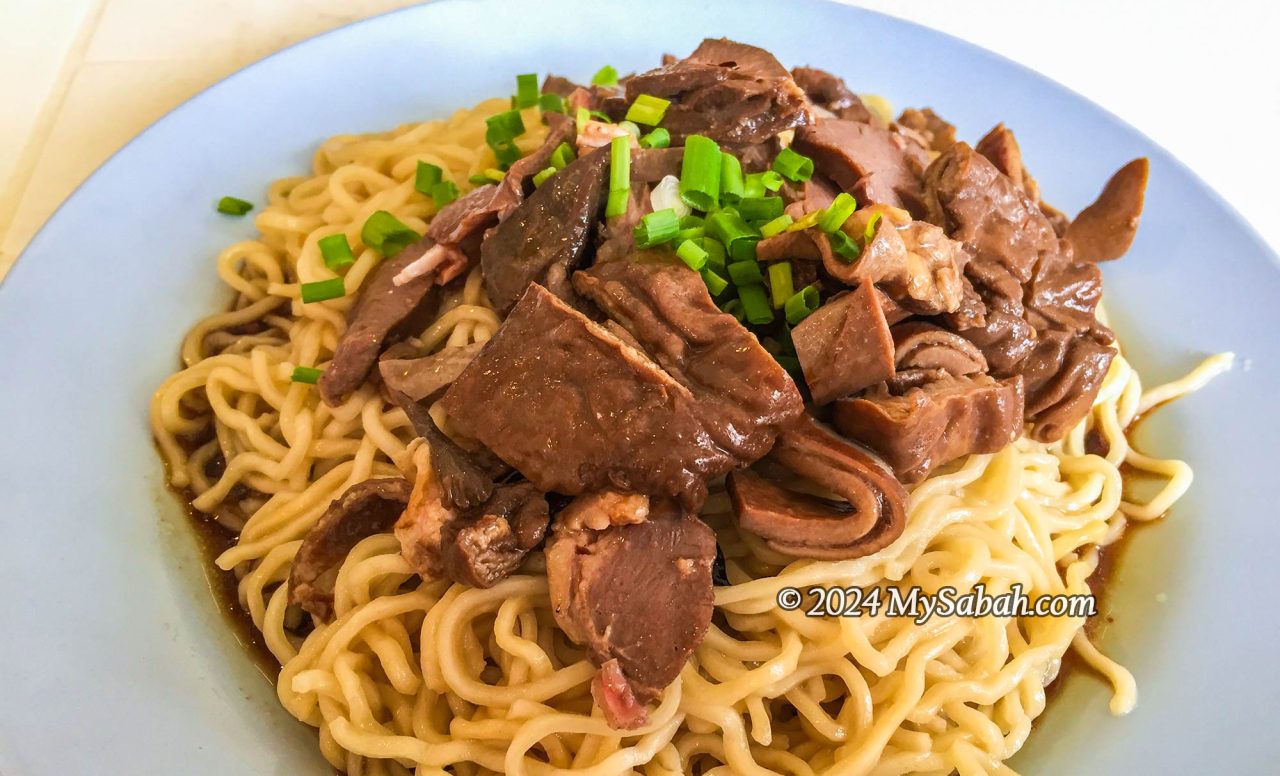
column 938, row 134
column 547, row 237
column 364, row 509
column 830, row 93
column 1063, row 376
column 730, row 92
column 940, row 421
column 743, row 397
column 844, row 345
column 876, row 165
column 483, row 546
column 872, row 515
column 916, row 264
column 576, row 409
column 383, row 313
column 421, row 377
column 922, row 348
column 1106, row 229
column 639, row 594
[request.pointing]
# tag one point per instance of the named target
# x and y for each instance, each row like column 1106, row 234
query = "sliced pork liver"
column 875, row 164
column 830, row 93
column 639, row 594
column 364, row 509
column 730, row 92
column 575, row 409
column 383, row 313
column 845, row 345
column 743, row 397
column 933, row 424
column 548, row 236
column 1106, row 229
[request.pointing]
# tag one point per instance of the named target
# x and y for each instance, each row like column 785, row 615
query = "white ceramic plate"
column 113, row 658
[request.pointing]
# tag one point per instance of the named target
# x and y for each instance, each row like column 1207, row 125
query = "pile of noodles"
column 418, row 678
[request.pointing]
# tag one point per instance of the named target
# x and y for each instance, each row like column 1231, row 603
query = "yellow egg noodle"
column 416, row 678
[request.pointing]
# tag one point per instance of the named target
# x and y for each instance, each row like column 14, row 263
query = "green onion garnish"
column 306, row 374
column 542, row 176
column 443, row 193
column 551, row 103
column 800, row 305
column 692, row 233
column 647, row 110
column 700, row 173
column 479, row 179
column 656, row 228
column 385, row 234
column 730, row 178
column 562, row 156
column 526, row 90
column 619, row 176
column 805, row 221
column 771, row 180
column 753, row 186
column 845, row 246
column 692, row 254
column 744, row 273
column 792, row 165
column 776, row 226
column 760, row 208
column 605, row 76
column 234, row 206
column 715, row 254
column 630, row 128
column 427, row 176
column 871, row 226
column 734, row 308
column 322, row 290
column 493, row 174
column 581, row 117
column 336, row 251
column 501, row 131
column 737, row 236
column 837, row 212
column 715, row 284
column 755, row 305
column 780, row 283
column 658, row 138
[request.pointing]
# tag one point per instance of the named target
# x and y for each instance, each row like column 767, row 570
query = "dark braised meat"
column 364, row 509
column 830, row 93
column 877, row 166
column 845, row 345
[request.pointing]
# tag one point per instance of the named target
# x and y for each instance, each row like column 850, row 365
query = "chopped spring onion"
column 667, row 195
column 542, row 176
column 526, row 90
column 551, row 103
column 730, row 178
column 234, row 206
column 715, row 284
column 444, row 192
column 479, row 179
column 755, row 304
column 780, row 283
column 792, row 165
column 871, row 226
column 744, row 273
column 385, row 234
column 605, row 76
column 562, row 156
column 837, row 212
column 692, row 254
column 760, row 208
column 648, row 110
column 631, row 129
column 771, row 180
column 734, row 308
column 306, row 374
column 805, row 221
column 336, row 251
column 493, row 174
column 752, row 186
column 776, row 226
column 658, row 138
column 501, row 132
column 581, row 117
column 715, row 254
column 656, row 228
column 737, row 235
column 800, row 305
column 845, row 246
column 700, row 173
column 691, row 232
column 619, row 175
column 427, row 176
column 322, row 290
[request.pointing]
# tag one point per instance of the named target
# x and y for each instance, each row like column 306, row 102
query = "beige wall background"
column 79, row 78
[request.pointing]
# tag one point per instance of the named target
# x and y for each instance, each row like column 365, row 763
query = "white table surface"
column 79, row 78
